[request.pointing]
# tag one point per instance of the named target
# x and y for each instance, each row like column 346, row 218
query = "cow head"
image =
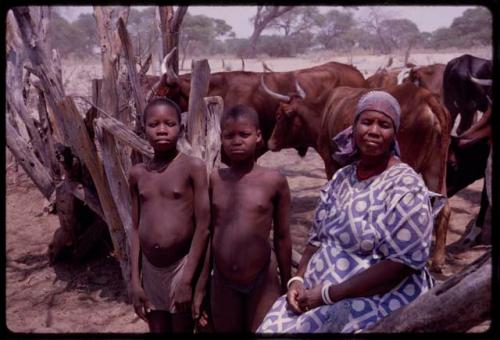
column 289, row 129
column 169, row 85
column 429, row 77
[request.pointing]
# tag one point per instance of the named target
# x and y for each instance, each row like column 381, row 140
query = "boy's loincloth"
column 242, row 288
column 159, row 283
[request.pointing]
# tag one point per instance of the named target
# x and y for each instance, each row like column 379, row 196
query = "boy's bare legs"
column 260, row 300
column 182, row 323
column 159, row 321
column 227, row 308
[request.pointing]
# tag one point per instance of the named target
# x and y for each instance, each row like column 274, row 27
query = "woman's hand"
column 294, row 292
column 310, row 298
column 141, row 303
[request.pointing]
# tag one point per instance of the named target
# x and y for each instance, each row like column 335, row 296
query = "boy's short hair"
column 238, row 111
column 161, row 101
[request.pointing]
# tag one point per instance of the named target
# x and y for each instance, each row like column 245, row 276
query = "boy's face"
column 162, row 127
column 239, row 138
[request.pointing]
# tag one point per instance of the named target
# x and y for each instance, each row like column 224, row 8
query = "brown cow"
column 423, row 137
column 385, row 78
column 429, row 77
column 240, row 87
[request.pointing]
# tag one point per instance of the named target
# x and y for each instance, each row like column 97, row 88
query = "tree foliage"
column 142, row 29
column 473, row 28
column 65, row 37
column 299, row 28
column 200, row 34
column 334, row 28
column 298, row 20
column 399, row 33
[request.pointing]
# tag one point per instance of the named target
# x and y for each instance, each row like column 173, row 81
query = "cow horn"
column 172, row 77
column 166, row 69
column 403, row 74
column 265, row 67
column 483, row 82
column 271, row 93
column 300, row 90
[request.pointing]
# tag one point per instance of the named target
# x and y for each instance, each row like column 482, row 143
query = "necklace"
column 161, row 166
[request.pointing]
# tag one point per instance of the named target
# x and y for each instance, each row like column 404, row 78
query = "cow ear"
column 288, row 110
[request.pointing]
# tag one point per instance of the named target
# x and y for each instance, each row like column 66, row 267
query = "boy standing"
column 247, row 200
column 170, row 214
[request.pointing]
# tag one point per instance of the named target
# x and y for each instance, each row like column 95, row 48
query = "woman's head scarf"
column 379, row 101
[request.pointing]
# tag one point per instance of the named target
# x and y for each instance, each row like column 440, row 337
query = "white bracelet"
column 325, row 294
column 295, row 278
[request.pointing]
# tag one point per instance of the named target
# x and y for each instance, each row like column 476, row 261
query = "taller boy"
column 170, row 214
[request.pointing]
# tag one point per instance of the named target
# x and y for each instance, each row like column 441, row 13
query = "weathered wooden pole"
column 128, row 49
column 170, row 23
column 196, row 122
column 30, row 163
column 456, row 305
column 87, row 151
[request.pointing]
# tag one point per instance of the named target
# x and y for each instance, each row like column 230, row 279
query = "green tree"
column 442, row 38
column 399, row 33
column 474, row 27
column 199, row 34
column 264, row 17
column 85, row 24
column 143, row 30
column 334, row 26
column 298, row 20
column 63, row 36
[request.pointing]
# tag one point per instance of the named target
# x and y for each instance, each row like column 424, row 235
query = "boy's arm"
column 201, row 232
column 201, row 284
column 282, row 240
column 134, row 235
column 137, row 295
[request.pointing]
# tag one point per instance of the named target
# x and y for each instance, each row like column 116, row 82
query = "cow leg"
column 466, row 119
column 474, row 233
column 439, row 251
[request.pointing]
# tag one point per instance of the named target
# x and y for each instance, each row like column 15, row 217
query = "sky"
column 427, row 18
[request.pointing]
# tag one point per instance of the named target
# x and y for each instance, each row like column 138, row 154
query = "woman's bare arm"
column 378, row 279
column 282, row 240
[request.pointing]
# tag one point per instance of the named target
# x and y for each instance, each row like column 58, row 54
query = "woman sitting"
column 367, row 251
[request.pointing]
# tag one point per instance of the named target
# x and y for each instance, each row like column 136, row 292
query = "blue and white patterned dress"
column 357, row 224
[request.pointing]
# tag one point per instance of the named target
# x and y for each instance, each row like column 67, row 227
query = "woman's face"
column 373, row 133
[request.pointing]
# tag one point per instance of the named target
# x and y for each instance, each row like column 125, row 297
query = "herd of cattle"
column 308, row 107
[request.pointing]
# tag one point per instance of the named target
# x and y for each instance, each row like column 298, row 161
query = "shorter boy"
column 170, row 215
column 247, row 200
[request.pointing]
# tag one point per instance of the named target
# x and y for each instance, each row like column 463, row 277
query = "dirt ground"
column 90, row 297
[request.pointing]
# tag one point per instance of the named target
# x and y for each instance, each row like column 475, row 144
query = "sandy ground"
column 90, row 297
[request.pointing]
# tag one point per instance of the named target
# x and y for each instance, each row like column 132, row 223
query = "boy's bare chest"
column 243, row 195
column 166, row 185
